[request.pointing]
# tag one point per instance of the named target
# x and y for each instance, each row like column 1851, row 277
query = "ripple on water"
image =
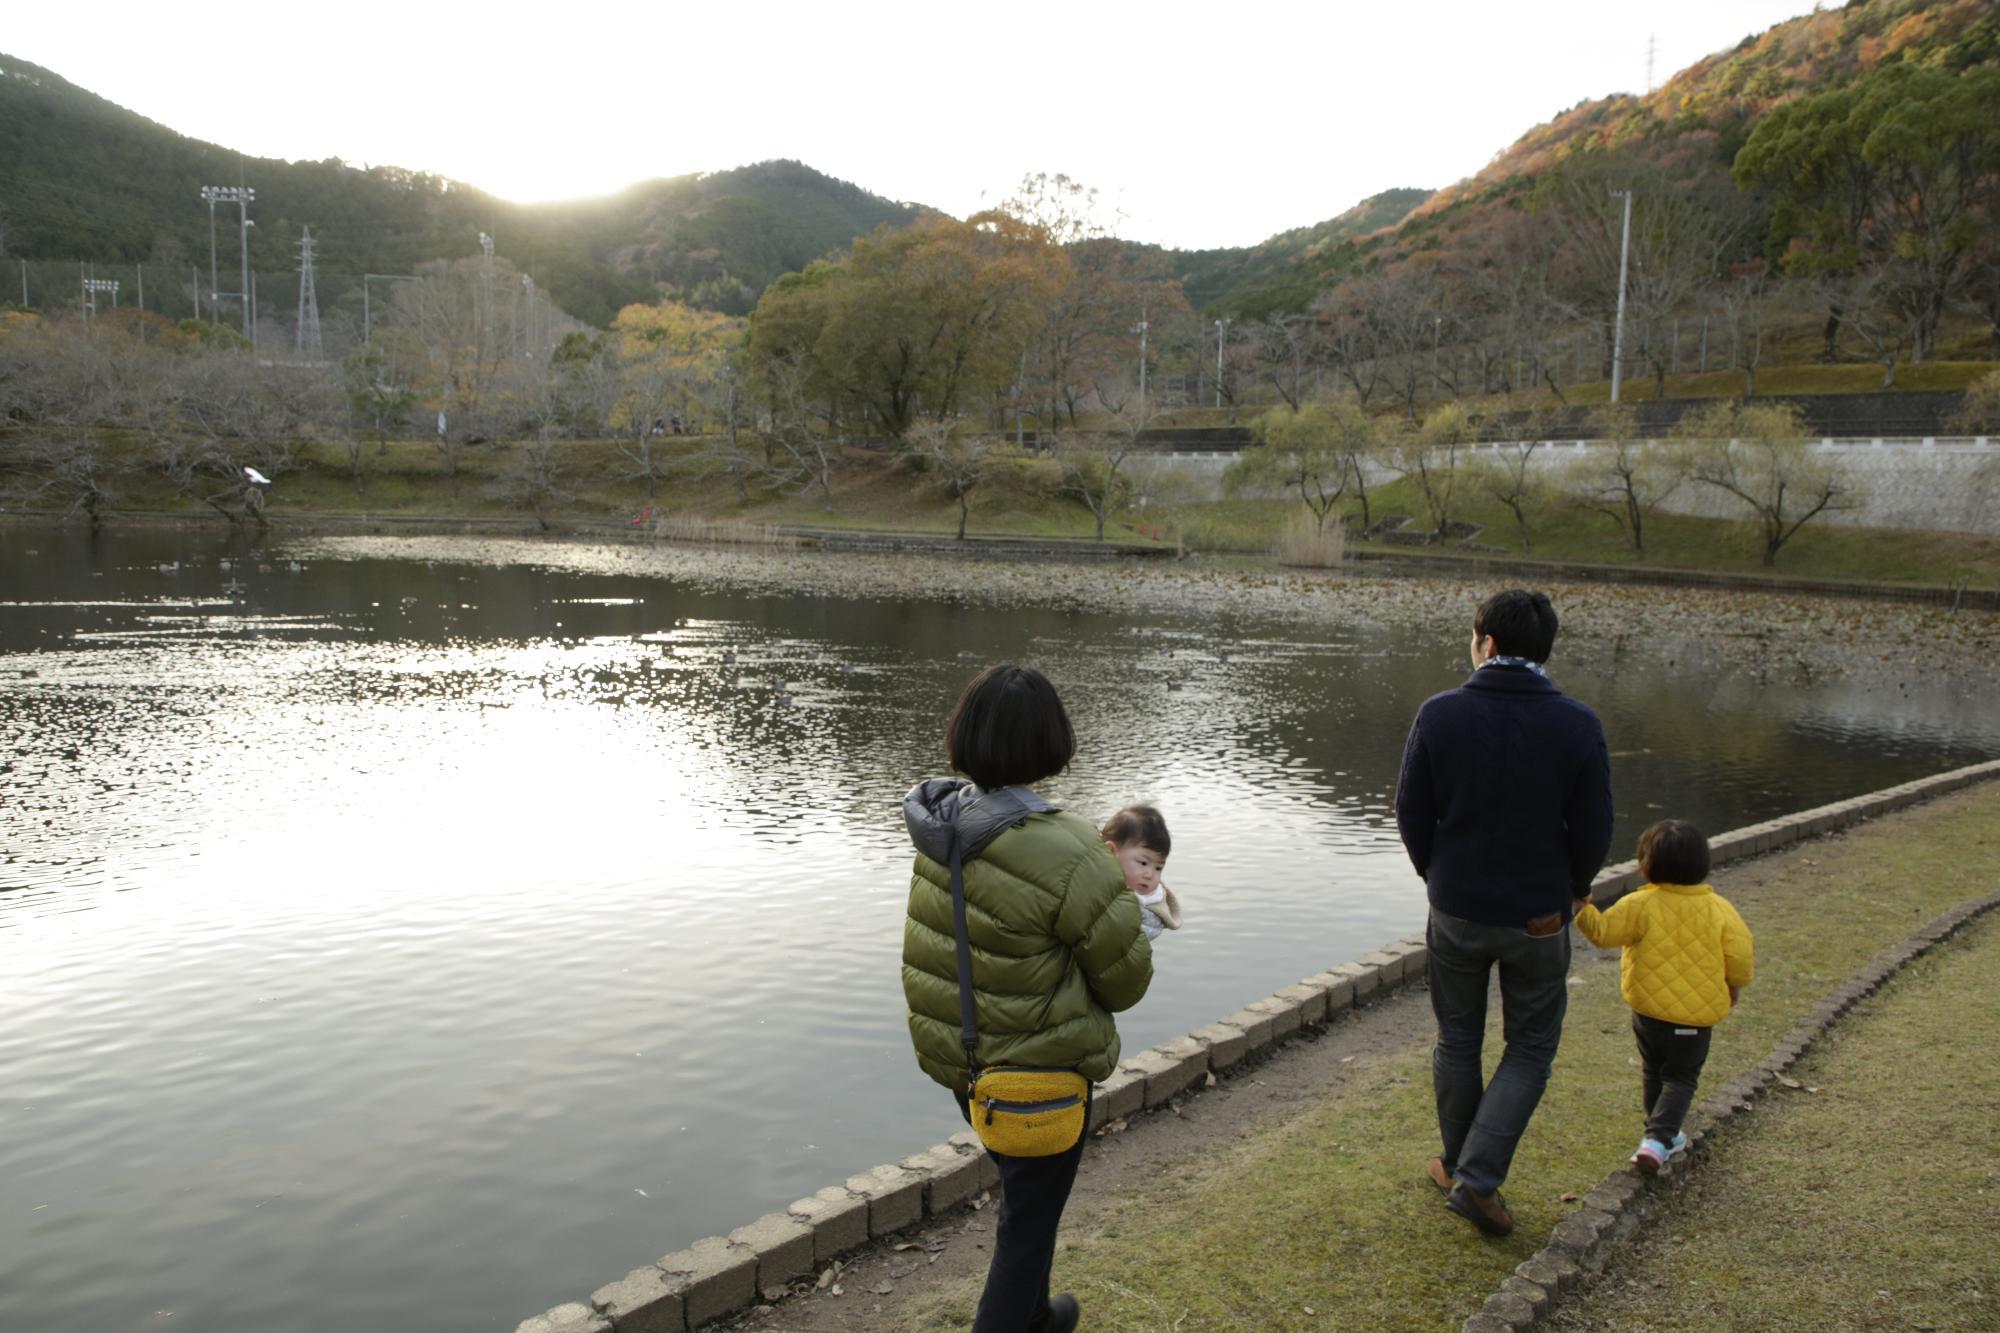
column 414, row 936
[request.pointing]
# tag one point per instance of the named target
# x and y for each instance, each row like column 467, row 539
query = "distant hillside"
column 1287, row 269
column 84, row 179
column 1689, row 129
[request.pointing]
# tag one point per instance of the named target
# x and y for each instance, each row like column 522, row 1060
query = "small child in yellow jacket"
column 1687, row 956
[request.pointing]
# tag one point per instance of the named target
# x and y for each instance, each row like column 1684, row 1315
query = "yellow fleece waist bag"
column 1016, row 1111
column 1029, row 1112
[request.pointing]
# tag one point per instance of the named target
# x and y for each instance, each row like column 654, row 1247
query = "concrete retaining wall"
column 1934, row 483
column 721, row 1275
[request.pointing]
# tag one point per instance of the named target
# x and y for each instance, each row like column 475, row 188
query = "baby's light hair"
column 1141, row 824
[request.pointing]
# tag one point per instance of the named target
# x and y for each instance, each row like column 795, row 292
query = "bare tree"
column 953, row 461
column 1626, row 477
column 1761, row 455
column 1428, row 455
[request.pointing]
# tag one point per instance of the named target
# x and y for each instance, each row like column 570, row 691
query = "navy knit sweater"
column 1504, row 800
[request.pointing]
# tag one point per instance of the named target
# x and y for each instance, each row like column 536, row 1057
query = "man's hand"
column 1582, row 901
column 1734, row 991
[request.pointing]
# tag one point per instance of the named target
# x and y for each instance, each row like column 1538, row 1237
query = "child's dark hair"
column 1522, row 623
column 1673, row 852
column 1009, row 729
column 1140, row 824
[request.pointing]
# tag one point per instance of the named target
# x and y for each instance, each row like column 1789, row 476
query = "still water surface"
column 390, row 943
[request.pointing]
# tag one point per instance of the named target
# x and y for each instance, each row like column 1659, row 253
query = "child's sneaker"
column 1678, row 1148
column 1652, row 1155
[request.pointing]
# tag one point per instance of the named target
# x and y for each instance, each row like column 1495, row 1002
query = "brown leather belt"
column 1544, row 926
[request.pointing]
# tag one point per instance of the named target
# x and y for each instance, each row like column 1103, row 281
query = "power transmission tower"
column 307, row 343
column 1650, row 41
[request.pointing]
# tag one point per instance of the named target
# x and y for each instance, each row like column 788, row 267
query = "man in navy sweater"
column 1504, row 804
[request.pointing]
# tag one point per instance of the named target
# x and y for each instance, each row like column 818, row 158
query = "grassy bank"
column 1327, row 1221
column 873, row 490
column 1867, row 1197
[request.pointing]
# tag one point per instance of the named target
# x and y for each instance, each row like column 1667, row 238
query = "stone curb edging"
column 1614, row 1210
column 723, row 1275
column 719, row 1276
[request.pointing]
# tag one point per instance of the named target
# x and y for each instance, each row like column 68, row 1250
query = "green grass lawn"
column 1331, row 1212
column 1869, row 1197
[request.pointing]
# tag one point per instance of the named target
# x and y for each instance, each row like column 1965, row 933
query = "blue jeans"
column 1481, row 1125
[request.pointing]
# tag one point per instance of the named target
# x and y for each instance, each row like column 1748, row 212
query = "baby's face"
column 1142, row 866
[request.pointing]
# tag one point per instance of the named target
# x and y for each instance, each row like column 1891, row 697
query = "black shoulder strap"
column 967, row 1032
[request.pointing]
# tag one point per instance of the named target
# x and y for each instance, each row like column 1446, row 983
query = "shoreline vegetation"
column 403, row 485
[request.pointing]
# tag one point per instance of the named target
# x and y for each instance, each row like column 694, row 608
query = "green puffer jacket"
column 1056, row 944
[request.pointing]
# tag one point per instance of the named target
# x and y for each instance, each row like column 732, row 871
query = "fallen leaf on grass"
column 906, row 1245
column 1308, row 1309
column 1790, row 1083
column 902, row 1270
column 1569, row 1196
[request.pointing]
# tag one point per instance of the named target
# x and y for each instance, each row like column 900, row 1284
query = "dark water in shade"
column 387, row 945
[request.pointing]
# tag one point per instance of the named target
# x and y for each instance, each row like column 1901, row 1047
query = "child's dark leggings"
column 1672, row 1056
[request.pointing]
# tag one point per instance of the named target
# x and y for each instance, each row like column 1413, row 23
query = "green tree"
column 924, row 320
column 1898, row 169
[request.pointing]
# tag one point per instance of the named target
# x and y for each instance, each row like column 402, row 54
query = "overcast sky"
column 1204, row 125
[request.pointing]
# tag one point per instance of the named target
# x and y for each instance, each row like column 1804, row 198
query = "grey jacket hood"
column 982, row 816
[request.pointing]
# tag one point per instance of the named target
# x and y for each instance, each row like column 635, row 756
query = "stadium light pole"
column 242, row 197
column 1618, row 321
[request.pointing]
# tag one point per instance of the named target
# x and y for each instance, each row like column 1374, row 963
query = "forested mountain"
column 84, row 179
column 1284, row 268
column 1682, row 138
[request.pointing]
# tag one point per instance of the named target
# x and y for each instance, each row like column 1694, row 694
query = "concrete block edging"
column 719, row 1276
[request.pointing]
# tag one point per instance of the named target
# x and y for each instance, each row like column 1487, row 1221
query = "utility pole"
column 1141, row 329
column 306, row 341
column 242, row 197
column 1221, row 332
column 1618, row 324
column 1649, row 64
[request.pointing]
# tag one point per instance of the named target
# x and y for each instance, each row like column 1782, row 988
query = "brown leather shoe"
column 1438, row 1175
column 1488, row 1212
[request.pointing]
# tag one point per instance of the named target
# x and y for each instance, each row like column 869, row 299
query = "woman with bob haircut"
column 1056, row 950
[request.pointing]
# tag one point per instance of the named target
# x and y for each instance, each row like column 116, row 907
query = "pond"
column 419, row 934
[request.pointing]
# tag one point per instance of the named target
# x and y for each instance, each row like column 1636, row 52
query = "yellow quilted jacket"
column 1685, row 946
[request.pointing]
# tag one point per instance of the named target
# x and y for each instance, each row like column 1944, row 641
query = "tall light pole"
column 1221, row 332
column 242, row 197
column 1618, row 322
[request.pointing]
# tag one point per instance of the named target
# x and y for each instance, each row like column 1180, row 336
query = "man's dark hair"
column 1009, row 729
column 1140, row 824
column 1522, row 623
column 1673, row 852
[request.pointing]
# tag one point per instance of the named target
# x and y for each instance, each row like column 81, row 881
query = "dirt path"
column 1289, row 1196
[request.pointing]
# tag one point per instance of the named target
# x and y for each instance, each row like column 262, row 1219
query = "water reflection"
column 385, row 935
